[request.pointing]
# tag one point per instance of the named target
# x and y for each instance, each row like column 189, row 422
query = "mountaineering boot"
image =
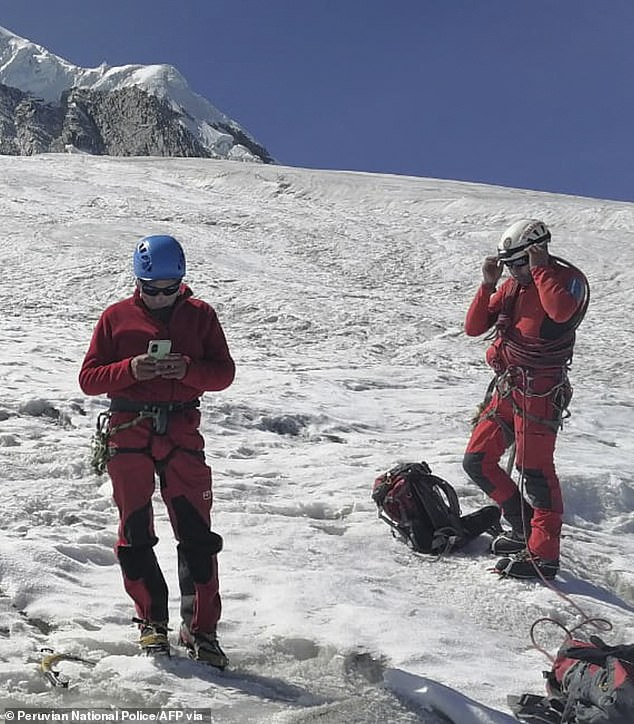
column 508, row 542
column 525, row 565
column 203, row 647
column 153, row 637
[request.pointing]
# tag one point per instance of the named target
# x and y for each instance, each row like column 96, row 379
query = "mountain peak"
column 37, row 72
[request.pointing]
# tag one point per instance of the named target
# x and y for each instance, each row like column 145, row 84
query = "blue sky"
column 526, row 93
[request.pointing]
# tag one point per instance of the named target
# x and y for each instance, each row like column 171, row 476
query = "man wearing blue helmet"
column 154, row 355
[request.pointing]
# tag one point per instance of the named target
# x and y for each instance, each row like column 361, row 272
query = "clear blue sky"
column 525, row 93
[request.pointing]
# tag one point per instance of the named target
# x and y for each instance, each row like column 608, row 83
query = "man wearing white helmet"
column 535, row 313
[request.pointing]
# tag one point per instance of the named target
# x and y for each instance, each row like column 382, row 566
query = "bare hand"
column 144, row 367
column 538, row 255
column 492, row 270
column 172, row 367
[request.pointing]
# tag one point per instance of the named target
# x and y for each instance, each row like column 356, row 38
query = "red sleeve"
column 97, row 374
column 484, row 310
column 560, row 295
column 216, row 370
column 115, row 342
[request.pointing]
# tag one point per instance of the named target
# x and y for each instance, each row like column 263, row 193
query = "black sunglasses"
column 152, row 291
column 516, row 263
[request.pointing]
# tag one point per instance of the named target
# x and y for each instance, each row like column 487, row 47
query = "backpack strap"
column 598, row 651
column 441, row 510
column 440, row 502
column 450, row 493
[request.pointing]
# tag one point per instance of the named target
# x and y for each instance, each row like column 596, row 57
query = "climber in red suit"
column 153, row 432
column 535, row 313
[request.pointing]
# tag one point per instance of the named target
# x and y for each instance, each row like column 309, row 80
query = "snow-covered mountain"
column 61, row 106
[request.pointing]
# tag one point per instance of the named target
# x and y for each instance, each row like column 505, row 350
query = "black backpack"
column 423, row 510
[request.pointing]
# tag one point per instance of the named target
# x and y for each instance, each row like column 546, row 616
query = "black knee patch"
column 141, row 564
column 195, row 565
column 197, row 545
column 472, row 465
column 192, row 530
column 137, row 528
column 136, row 563
column 537, row 489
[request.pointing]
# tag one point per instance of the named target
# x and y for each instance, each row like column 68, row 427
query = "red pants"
column 523, row 418
column 185, row 483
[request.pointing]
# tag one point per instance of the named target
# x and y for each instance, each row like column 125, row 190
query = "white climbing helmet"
column 519, row 236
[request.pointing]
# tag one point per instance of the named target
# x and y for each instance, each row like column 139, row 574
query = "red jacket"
column 123, row 332
column 529, row 317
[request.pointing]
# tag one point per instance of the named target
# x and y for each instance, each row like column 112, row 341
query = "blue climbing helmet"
column 159, row 257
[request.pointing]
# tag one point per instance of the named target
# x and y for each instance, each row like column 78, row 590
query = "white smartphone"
column 159, row 348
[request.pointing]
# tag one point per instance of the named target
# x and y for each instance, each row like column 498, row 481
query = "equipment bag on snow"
column 589, row 683
column 423, row 510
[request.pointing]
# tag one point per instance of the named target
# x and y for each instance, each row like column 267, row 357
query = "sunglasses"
column 152, row 291
column 516, row 263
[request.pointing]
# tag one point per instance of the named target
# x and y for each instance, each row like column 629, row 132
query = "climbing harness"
column 537, row 357
column 157, row 412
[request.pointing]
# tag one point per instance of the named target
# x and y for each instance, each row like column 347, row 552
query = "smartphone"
column 159, row 348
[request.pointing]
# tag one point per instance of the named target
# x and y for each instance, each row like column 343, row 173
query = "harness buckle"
column 159, row 417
